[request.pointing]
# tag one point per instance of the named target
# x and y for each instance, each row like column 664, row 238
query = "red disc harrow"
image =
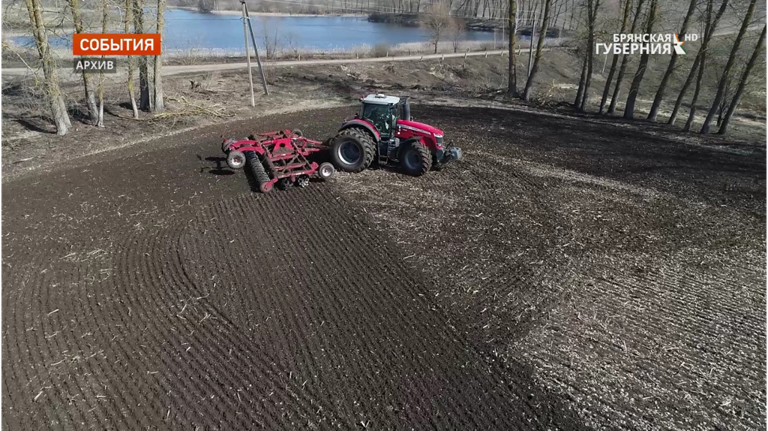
column 277, row 158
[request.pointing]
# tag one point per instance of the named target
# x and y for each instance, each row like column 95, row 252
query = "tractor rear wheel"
column 353, row 150
column 415, row 159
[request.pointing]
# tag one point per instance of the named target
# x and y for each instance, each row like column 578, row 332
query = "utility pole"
column 255, row 48
column 248, row 56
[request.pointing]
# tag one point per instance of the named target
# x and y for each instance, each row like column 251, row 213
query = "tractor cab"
column 382, row 111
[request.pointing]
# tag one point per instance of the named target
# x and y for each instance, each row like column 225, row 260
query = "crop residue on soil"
column 556, row 278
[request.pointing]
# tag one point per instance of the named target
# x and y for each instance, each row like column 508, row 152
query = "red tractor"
column 385, row 132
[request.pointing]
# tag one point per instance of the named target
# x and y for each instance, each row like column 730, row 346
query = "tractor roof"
column 381, row 99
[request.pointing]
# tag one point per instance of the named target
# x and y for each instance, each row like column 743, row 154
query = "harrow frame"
column 277, row 158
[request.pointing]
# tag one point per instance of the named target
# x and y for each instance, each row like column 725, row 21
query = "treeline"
column 710, row 81
column 312, row 7
column 135, row 19
column 718, row 101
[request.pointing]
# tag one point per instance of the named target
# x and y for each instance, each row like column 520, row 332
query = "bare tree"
column 271, row 39
column 629, row 109
column 138, row 26
column 512, row 66
column 158, row 75
column 437, row 20
column 624, row 61
column 128, row 19
column 539, row 47
column 742, row 83
column 615, row 60
column 456, row 31
column 292, row 40
column 52, row 90
column 701, row 67
column 671, row 66
column 729, row 66
column 104, row 20
column 90, row 95
column 533, row 37
column 709, row 29
column 582, row 95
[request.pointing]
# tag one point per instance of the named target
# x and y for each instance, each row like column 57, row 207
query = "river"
column 187, row 30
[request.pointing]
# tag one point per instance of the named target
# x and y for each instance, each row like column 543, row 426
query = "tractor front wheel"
column 353, row 150
column 415, row 159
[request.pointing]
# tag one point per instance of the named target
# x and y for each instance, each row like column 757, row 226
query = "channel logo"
column 96, row 44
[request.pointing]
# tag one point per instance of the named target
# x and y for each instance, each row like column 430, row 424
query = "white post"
column 248, row 56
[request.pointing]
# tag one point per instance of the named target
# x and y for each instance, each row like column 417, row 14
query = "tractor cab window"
column 382, row 117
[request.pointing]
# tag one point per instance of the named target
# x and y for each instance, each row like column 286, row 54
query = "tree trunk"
column 624, row 61
column 742, row 84
column 671, row 66
column 629, row 109
column 90, row 95
column 592, row 17
column 511, row 68
column 615, row 60
column 709, row 29
column 539, row 47
column 104, row 18
column 696, row 92
column 158, row 86
column 556, row 16
column 52, row 89
column 583, row 76
column 530, row 46
column 128, row 19
column 582, row 80
column 138, row 26
column 728, row 67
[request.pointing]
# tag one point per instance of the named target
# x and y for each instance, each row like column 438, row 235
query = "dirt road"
column 201, row 68
column 150, row 288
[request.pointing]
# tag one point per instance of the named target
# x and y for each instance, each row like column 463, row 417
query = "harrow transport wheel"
column 297, row 132
column 415, row 159
column 326, row 170
column 235, row 160
column 353, row 150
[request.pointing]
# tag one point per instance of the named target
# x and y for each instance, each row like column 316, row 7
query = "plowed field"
column 566, row 275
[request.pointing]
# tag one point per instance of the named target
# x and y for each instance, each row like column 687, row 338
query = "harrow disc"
column 258, row 171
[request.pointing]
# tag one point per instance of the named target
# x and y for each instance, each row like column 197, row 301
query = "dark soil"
column 149, row 287
column 158, row 293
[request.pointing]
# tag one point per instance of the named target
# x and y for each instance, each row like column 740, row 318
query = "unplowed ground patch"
column 629, row 269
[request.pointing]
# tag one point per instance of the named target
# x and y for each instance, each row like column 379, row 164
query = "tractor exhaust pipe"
column 406, row 110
